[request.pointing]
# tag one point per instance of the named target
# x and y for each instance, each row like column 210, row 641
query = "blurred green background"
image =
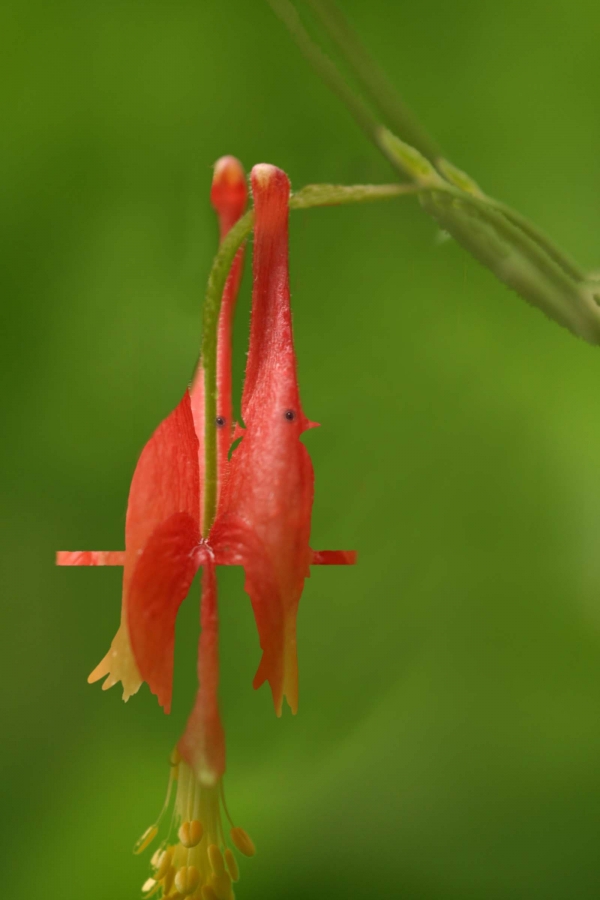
column 448, row 741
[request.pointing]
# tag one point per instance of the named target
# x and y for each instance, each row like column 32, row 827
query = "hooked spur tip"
column 266, row 177
column 229, row 183
column 228, row 172
column 270, row 191
column 263, row 173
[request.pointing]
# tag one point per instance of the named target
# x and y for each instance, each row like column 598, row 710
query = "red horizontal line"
column 117, row 558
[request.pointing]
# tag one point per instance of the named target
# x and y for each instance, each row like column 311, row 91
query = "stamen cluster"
column 194, row 860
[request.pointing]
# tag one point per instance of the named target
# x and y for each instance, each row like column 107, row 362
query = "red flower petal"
column 165, row 481
column 162, row 526
column 203, row 743
column 90, row 558
column 162, row 578
column 266, row 512
column 333, row 558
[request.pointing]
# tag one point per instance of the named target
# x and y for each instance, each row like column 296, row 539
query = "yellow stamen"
column 222, row 886
column 169, row 878
column 190, row 833
column 215, row 857
column 197, row 864
column 187, row 880
column 232, row 866
column 146, row 839
column 243, row 841
column 208, row 893
column 163, row 863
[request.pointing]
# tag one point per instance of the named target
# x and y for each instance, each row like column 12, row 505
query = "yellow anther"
column 146, row 839
column 208, row 893
column 187, row 880
column 150, row 887
column 232, row 866
column 216, row 860
column 221, row 885
column 190, row 833
column 243, row 841
column 168, row 880
column 163, row 863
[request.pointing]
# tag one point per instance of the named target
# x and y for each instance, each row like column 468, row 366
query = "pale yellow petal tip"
column 100, row 671
column 118, row 665
column 228, row 172
column 263, row 173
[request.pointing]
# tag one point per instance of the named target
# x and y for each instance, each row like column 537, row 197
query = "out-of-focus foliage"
column 448, row 737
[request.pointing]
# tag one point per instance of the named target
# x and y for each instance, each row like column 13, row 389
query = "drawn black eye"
column 221, row 421
column 290, row 415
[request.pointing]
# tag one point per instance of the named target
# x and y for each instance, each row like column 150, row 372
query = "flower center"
column 194, row 861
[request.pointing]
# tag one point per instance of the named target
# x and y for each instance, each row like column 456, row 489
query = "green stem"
column 500, row 238
column 212, row 306
column 324, row 67
column 384, row 96
column 310, row 196
column 373, row 81
column 339, row 194
column 517, row 253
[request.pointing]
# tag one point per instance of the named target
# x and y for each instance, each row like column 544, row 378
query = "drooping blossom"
column 264, row 504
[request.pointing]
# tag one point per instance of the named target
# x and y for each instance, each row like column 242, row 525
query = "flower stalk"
column 503, row 240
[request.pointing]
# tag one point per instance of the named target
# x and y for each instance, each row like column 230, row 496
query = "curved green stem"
column 309, row 196
column 324, row 67
column 371, row 78
column 339, row 194
column 210, row 322
column 500, row 238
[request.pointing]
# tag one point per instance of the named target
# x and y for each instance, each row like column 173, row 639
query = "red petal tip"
column 271, row 191
column 229, row 185
column 265, row 174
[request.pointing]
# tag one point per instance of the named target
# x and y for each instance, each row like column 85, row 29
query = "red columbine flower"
column 264, row 504
column 263, row 522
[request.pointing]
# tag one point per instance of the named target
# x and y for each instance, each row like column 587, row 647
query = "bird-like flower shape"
column 262, row 522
